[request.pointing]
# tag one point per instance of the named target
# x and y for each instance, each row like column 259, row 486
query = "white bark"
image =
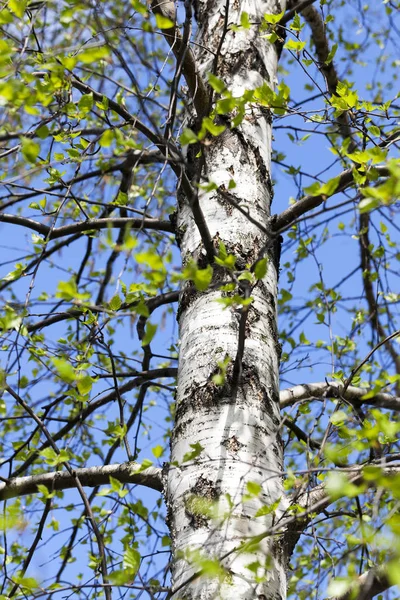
column 333, row 389
column 88, row 477
column 239, row 435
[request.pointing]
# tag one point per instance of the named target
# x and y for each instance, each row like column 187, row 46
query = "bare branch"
column 369, row 584
column 373, row 309
column 334, row 389
column 89, row 225
column 197, row 88
column 297, row 9
column 286, row 218
column 315, row 501
column 75, row 313
column 77, row 484
column 89, row 477
column 93, row 406
column 317, row 25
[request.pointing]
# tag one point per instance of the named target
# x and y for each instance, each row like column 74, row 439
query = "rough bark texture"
column 238, row 429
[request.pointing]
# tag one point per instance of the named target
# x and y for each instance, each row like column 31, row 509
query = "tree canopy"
column 103, row 113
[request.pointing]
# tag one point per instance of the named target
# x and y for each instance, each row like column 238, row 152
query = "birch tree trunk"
column 211, row 512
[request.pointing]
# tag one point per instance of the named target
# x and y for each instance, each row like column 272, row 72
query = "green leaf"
column 374, row 130
column 45, row 492
column 368, row 204
column 267, row 510
column 43, row 132
column 253, row 488
column 52, row 458
column 158, row 451
column 338, row 486
column 326, row 189
column 5, row 17
column 121, row 576
column 30, row 149
column 271, row 37
column 197, row 449
column 295, row 45
column 264, row 95
column 296, row 24
column 115, row 303
column 107, row 138
column 65, row 370
column 116, row 484
column 244, row 20
column 200, row 277
column 331, row 54
column 225, row 260
column 139, row 7
column 122, row 198
column 273, row 19
column 149, row 333
column 188, row 137
column 85, row 103
column 84, row 384
column 285, row 296
column 151, row 259
column 375, row 154
column 131, row 559
column 216, row 83
column 17, row 7
column 163, row 22
column 68, row 291
column 146, row 463
column 209, row 126
column 103, row 104
column 93, row 55
column 339, row 417
column 260, row 270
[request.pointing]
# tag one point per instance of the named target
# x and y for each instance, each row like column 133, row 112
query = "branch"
column 197, row 88
column 77, row 484
column 317, row 500
column 373, row 309
column 93, row 406
column 134, row 158
column 168, row 149
column 117, row 108
column 74, row 313
column 297, row 9
column 369, row 584
column 89, row 477
column 285, row 219
column 318, row 32
column 89, row 225
column 334, row 389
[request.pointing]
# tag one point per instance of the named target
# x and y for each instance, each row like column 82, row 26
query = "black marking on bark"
column 179, row 233
column 263, row 169
column 200, row 501
column 252, row 317
column 280, row 42
column 188, row 295
column 189, row 292
column 194, row 158
column 276, row 252
column 232, row 444
column 245, row 61
column 272, row 326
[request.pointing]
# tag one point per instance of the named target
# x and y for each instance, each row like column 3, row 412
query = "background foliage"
column 90, row 278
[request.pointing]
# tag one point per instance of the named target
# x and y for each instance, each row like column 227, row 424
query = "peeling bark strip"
column 226, row 437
